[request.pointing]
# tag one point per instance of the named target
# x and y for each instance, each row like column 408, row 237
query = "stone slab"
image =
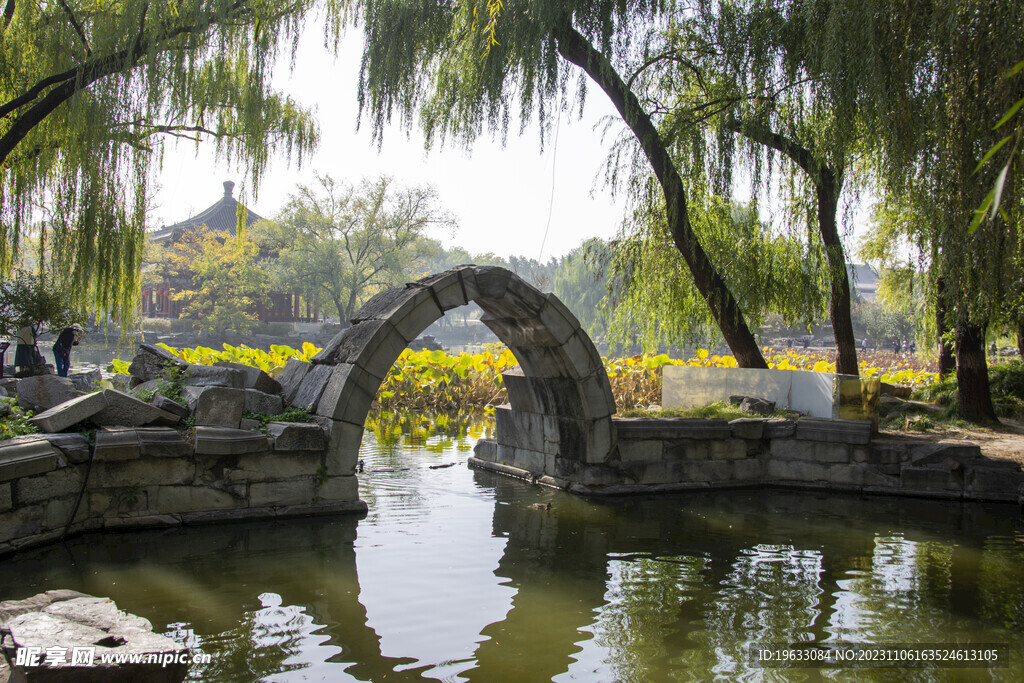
column 25, row 457
column 672, row 428
column 747, row 428
column 225, row 441
column 60, row 417
column 210, row 376
column 127, row 411
column 312, row 387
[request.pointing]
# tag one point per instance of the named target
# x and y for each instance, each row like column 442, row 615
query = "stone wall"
column 685, row 453
column 159, row 476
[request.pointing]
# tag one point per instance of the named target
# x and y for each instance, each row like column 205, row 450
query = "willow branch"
column 77, row 26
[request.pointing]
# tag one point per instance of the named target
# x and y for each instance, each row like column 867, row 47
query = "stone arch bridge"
column 560, row 416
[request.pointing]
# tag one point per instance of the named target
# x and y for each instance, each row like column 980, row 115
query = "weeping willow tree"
column 90, row 90
column 657, row 302
column 471, row 66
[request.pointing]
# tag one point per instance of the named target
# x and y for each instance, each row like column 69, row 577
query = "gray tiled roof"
column 221, row 216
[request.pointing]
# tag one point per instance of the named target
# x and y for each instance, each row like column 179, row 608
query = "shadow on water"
column 457, row 574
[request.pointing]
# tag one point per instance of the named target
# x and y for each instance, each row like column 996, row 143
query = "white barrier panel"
column 685, row 386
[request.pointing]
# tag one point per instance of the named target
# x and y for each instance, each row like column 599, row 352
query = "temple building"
column 223, row 215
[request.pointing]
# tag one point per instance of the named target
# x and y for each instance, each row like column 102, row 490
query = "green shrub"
column 16, row 423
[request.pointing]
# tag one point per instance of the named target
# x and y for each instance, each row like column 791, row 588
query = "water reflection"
column 456, row 575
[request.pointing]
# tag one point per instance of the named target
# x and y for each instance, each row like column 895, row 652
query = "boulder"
column 43, row 392
column 150, row 361
column 66, row 621
column 127, row 411
column 254, row 378
column 753, row 405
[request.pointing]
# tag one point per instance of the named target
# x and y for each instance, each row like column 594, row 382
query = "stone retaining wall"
column 684, row 453
column 156, row 476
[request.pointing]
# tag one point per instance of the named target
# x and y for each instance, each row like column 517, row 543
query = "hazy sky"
column 500, row 196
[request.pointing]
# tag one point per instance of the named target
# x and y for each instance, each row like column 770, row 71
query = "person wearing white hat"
column 68, row 337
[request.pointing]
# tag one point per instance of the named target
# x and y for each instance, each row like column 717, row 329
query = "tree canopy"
column 88, row 91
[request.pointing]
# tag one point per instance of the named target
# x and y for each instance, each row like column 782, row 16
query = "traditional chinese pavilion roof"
column 221, row 216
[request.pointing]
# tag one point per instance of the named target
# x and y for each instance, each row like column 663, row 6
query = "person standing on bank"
column 68, row 337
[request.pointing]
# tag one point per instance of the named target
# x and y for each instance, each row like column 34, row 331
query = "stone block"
column 373, row 344
column 557, row 319
column 26, row 456
column 338, row 488
column 993, row 480
column 778, row 428
column 809, row 451
column 220, row 407
column 931, row 479
column 24, row 521
column 747, row 428
column 212, row 376
column 583, row 358
column 181, row 499
column 74, row 446
column 254, row 378
column 833, row 431
column 348, row 393
column 150, row 361
column 597, row 475
column 312, row 387
column 882, row 452
column 162, row 442
column 410, row 309
column 42, row 392
column 225, row 441
column 640, row 451
column 63, row 482
column 262, row 403
column 542, row 361
column 6, row 500
column 279, row 493
column 750, row 470
column 729, row 449
column 343, row 448
column 486, row 450
column 117, row 443
column 491, row 282
column 127, row 411
column 291, row 377
column 248, row 424
column 519, row 332
column 687, row 449
column 711, row 471
column 294, row 436
column 924, row 454
column 167, row 405
column 132, row 474
column 60, row 417
column 146, row 390
column 797, row 471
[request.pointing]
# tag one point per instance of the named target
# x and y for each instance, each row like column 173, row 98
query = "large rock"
column 43, row 392
column 69, row 413
column 150, row 361
column 64, row 621
column 254, row 377
column 127, row 411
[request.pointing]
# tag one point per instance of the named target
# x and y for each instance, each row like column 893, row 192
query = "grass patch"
column 1006, row 381
column 718, row 409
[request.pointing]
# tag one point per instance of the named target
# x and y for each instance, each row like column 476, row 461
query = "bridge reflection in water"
column 456, row 574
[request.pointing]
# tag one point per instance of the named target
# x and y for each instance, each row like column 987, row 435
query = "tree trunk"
column 974, row 396
column 1020, row 337
column 947, row 363
column 723, row 305
column 839, row 281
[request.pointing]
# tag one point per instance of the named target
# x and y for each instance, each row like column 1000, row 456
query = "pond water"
column 456, row 574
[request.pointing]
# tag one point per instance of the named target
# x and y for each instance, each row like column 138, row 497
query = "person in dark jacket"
column 68, row 337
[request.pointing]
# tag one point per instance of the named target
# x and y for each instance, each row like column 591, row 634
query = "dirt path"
column 1005, row 441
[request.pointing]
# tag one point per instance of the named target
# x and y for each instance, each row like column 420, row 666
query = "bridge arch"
column 561, row 400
